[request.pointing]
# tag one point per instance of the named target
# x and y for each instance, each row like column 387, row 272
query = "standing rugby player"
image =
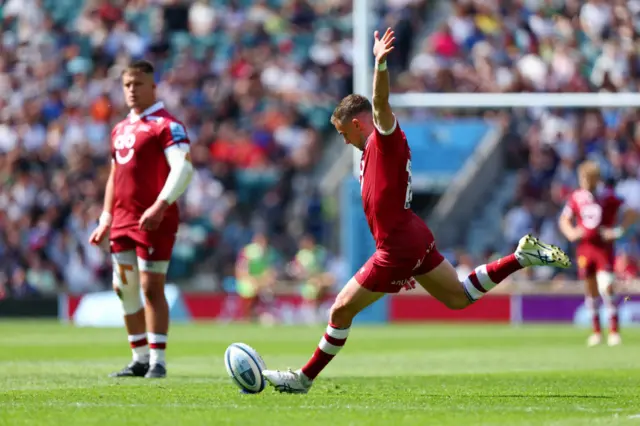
column 596, row 228
column 150, row 169
column 406, row 252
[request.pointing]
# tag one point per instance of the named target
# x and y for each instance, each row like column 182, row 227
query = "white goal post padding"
column 363, row 26
column 515, row 100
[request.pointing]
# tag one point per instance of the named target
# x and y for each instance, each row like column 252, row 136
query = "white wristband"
column 105, row 219
column 382, row 66
column 618, row 232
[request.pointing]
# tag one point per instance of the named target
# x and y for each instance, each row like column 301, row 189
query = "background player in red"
column 406, row 252
column 150, row 169
column 596, row 215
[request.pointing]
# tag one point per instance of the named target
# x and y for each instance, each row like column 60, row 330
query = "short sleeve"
column 389, row 132
column 173, row 133
column 569, row 208
column 622, row 204
column 393, row 140
column 112, row 150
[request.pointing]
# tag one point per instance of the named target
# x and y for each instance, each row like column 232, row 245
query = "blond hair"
column 589, row 170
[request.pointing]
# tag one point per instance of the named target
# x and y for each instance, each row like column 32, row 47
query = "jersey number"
column 591, row 215
column 409, row 194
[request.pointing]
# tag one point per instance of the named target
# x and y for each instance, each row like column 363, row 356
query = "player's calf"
column 605, row 281
column 591, row 305
column 442, row 282
column 156, row 312
column 127, row 287
column 352, row 299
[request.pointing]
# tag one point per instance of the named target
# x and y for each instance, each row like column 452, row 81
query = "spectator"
column 518, row 221
column 254, row 84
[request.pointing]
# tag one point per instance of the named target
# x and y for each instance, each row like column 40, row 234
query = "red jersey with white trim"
column 138, row 146
column 593, row 212
column 385, row 184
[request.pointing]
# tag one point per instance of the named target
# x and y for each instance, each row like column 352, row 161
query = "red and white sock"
column 592, row 308
column 614, row 326
column 158, row 345
column 486, row 277
column 330, row 344
column 139, row 347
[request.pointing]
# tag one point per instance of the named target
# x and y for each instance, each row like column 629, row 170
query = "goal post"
column 363, row 27
column 515, row 100
column 362, row 58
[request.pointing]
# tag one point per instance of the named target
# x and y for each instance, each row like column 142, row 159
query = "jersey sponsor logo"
column 401, row 283
column 123, row 145
column 178, row 132
column 591, row 215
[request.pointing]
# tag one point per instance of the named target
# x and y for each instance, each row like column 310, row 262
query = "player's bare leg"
column 443, row 283
column 157, row 316
column 591, row 299
column 127, row 287
column 352, row 299
column 605, row 281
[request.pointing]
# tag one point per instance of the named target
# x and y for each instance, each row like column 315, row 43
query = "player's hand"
column 98, row 234
column 610, row 234
column 152, row 217
column 576, row 234
column 382, row 46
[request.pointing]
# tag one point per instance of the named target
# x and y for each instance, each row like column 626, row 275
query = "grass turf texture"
column 53, row 374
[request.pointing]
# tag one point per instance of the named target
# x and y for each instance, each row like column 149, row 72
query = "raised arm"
column 383, row 117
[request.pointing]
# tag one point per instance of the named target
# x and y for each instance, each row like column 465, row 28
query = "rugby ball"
column 245, row 366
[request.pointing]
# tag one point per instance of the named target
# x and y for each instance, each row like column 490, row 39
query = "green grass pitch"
column 52, row 374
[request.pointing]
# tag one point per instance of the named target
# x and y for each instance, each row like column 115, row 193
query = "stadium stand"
column 539, row 46
column 254, row 81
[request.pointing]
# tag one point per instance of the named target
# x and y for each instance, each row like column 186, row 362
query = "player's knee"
column 341, row 314
column 456, row 302
column 604, row 281
column 152, row 291
column 126, row 284
column 152, row 275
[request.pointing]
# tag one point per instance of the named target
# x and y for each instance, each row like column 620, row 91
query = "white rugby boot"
column 614, row 339
column 594, row 340
column 533, row 252
column 288, row 381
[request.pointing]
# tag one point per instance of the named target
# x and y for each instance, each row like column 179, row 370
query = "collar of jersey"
column 153, row 108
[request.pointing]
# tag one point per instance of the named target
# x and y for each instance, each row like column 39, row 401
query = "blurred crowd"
column 545, row 46
column 254, row 81
column 530, row 45
column 553, row 146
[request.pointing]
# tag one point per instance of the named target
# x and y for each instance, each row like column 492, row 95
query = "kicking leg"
column 591, row 304
column 352, row 299
column 442, row 282
column 127, row 287
column 152, row 280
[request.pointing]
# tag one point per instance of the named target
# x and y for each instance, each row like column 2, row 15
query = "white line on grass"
column 354, row 407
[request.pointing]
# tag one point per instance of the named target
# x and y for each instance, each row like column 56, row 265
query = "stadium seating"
column 254, row 81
